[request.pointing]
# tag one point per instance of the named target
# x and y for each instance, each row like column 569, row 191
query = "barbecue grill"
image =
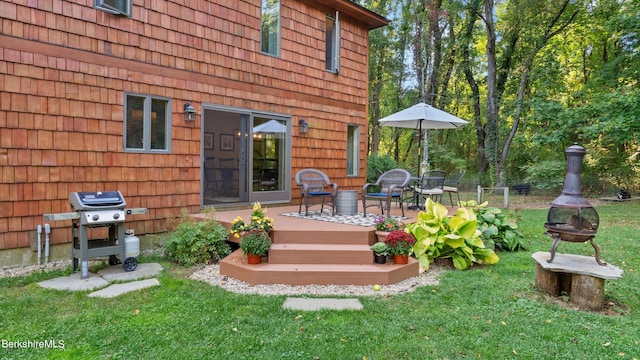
column 98, row 210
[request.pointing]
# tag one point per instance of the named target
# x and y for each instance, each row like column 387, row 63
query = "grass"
column 485, row 312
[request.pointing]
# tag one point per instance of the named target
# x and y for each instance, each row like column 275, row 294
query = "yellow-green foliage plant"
column 439, row 235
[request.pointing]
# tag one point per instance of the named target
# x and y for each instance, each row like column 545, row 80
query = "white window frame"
column 274, row 52
column 112, row 6
column 146, row 125
column 353, row 150
column 333, row 45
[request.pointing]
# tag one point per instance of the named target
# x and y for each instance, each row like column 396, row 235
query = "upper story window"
column 332, row 35
column 122, row 7
column 147, row 124
column 270, row 27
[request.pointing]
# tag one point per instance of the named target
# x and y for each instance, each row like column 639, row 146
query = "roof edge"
column 364, row 15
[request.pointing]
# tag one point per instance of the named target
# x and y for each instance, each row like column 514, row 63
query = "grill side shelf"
column 61, row 216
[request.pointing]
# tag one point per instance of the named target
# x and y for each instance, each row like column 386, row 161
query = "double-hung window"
column 121, row 7
column 332, row 37
column 270, row 27
column 147, row 124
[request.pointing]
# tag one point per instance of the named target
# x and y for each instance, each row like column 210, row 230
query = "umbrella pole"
column 424, row 166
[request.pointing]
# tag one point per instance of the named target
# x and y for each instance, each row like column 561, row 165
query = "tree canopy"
column 532, row 77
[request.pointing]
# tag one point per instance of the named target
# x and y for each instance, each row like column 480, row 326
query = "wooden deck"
column 315, row 252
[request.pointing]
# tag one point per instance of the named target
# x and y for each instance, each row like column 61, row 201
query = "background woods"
column 531, row 76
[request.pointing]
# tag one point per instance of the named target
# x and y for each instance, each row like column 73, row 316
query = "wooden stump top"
column 577, row 264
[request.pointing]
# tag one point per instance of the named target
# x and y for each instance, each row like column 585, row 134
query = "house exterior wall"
column 65, row 68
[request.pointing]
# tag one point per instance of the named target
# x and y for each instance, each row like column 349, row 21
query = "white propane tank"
column 131, row 244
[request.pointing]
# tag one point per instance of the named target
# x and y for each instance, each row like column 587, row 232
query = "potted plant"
column 255, row 244
column 380, row 252
column 400, row 245
column 259, row 221
column 384, row 225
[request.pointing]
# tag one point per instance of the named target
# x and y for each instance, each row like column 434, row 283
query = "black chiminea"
column 571, row 217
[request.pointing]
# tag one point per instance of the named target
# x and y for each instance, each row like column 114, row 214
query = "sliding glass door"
column 246, row 157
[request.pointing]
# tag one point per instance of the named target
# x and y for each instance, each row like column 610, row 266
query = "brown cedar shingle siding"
column 65, row 68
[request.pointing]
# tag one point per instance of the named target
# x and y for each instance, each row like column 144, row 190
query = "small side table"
column 347, row 202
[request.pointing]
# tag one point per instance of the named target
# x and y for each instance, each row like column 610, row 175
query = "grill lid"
column 96, row 200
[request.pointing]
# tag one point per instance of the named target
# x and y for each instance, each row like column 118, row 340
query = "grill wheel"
column 130, row 264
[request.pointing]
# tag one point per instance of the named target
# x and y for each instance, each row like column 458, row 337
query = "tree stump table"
column 579, row 276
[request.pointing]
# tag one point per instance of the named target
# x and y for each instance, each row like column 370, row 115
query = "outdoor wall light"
column 304, row 126
column 189, row 112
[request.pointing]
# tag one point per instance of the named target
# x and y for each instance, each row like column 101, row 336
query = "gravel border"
column 211, row 274
column 22, row 270
column 28, row 269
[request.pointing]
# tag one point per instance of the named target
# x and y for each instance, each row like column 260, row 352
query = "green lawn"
column 485, row 312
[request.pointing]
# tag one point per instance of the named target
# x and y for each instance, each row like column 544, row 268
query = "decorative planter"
column 401, row 259
column 379, row 259
column 254, row 259
column 382, row 235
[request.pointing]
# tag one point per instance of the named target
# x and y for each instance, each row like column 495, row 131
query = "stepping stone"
column 74, row 282
column 119, row 289
column 143, row 271
column 313, row 304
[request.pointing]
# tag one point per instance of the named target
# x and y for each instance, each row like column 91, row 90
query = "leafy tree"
column 531, row 76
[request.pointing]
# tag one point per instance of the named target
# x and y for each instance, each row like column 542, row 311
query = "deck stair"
column 336, row 255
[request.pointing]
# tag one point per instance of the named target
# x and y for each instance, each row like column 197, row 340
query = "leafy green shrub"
column 439, row 235
column 546, row 175
column 378, row 164
column 496, row 227
column 197, row 242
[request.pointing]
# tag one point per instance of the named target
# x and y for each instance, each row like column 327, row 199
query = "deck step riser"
column 320, row 257
column 320, row 237
column 235, row 265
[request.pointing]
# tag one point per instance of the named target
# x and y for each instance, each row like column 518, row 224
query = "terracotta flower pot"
column 382, row 235
column 401, row 259
column 254, row 259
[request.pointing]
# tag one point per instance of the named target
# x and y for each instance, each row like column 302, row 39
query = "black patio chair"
column 452, row 183
column 314, row 183
column 431, row 185
column 392, row 184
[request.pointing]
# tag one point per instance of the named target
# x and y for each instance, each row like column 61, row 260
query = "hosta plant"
column 439, row 235
column 496, row 227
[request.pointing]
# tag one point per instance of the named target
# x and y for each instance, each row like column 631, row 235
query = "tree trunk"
column 492, row 138
column 435, row 40
column 374, row 113
column 524, row 81
column 473, row 9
